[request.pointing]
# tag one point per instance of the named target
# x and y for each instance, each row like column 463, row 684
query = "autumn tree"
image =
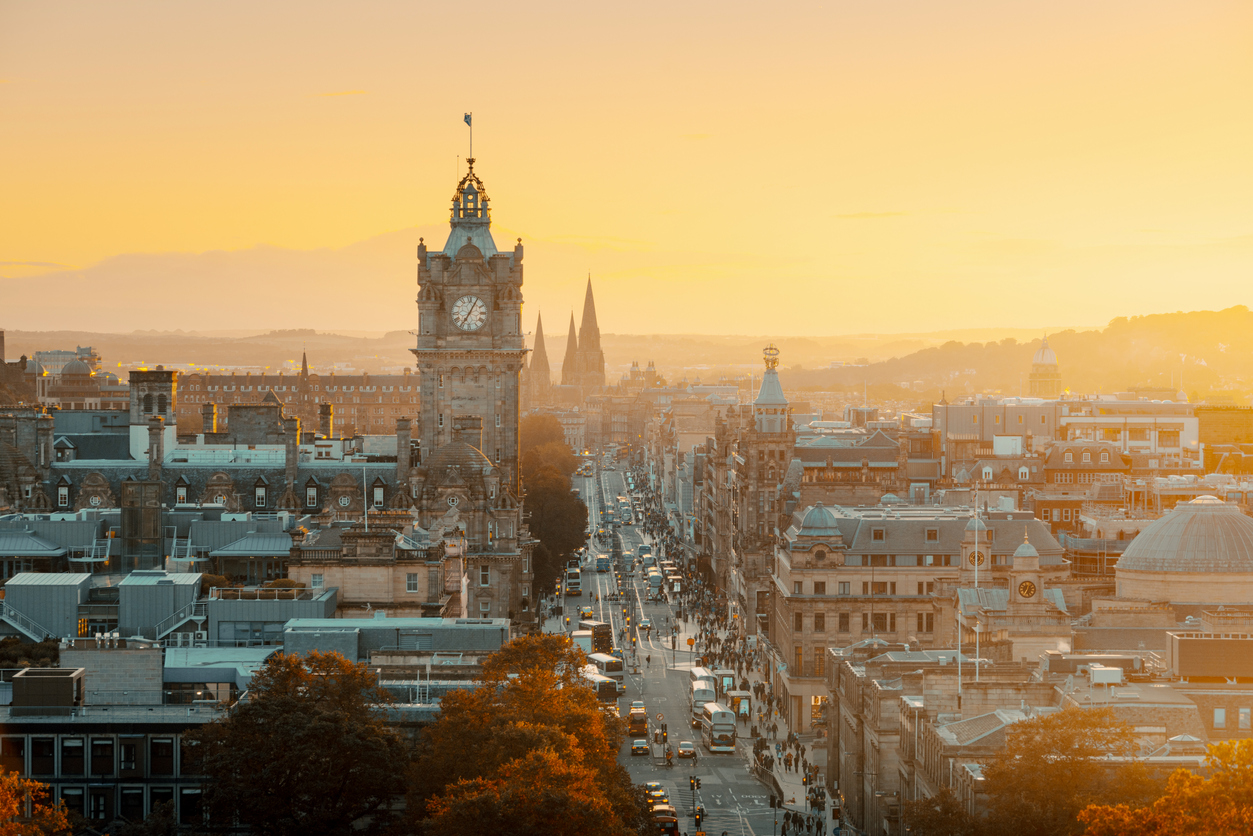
column 530, row 713
column 309, row 752
column 538, row 429
column 46, row 817
column 1054, row 765
column 1218, row 805
column 940, row 815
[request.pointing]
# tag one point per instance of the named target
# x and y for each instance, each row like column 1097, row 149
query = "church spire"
column 304, row 363
column 570, row 365
column 539, row 357
column 591, row 358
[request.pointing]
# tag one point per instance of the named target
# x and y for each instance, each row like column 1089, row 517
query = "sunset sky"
column 719, row 167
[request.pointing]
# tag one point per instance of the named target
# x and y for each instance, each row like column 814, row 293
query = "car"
column 637, row 704
column 639, row 746
column 585, row 612
column 686, row 749
column 660, row 798
column 646, row 624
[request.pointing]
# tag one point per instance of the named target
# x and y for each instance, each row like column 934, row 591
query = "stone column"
column 404, row 436
column 291, row 454
column 326, row 419
column 156, row 447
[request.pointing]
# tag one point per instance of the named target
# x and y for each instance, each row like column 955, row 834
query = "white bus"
column 605, row 688
column 717, row 727
column 701, row 692
column 610, row 666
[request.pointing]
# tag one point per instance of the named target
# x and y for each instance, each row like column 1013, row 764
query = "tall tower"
column 1045, row 380
column 570, row 369
column 538, row 374
column 470, row 346
column 591, row 358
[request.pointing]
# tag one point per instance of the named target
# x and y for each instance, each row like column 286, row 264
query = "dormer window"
column 1087, row 457
column 1023, row 474
column 878, row 535
column 1105, row 457
column 1069, row 457
column 933, row 535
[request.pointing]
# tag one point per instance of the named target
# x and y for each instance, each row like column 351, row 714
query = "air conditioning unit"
column 201, row 638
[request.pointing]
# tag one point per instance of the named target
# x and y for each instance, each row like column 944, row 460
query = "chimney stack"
column 156, row 447
column 404, row 438
column 291, row 457
column 326, row 419
column 209, row 418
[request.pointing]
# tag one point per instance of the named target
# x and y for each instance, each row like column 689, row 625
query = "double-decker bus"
column 717, row 727
column 611, row 666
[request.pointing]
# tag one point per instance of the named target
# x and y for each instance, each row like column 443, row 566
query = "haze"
column 813, row 168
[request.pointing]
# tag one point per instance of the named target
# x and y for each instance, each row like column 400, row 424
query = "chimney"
column 326, row 419
column 156, row 447
column 469, row 429
column 404, row 437
column 44, row 425
column 291, row 457
column 209, row 418
column 2, row 348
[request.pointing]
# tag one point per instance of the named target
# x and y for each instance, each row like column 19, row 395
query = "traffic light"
column 665, row 733
column 697, row 783
column 692, row 782
column 805, row 780
column 700, row 816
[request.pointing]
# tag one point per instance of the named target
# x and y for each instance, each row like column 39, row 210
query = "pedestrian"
column 787, row 760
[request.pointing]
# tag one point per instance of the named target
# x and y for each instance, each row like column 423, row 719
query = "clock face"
column 95, row 500
column 469, row 313
column 976, row 558
column 344, row 500
column 452, row 501
column 1026, row 589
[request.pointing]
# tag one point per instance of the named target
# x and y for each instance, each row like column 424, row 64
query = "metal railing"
column 33, row 629
column 195, row 609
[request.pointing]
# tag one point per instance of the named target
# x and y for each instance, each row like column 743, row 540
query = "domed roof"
column 466, row 460
column 76, row 367
column 976, row 524
column 891, row 499
column 1045, row 356
column 1026, row 549
column 818, row 522
column 1204, row 535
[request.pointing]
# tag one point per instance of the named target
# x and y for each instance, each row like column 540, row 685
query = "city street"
column 734, row 801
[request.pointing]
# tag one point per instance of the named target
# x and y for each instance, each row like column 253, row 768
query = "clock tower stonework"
column 470, row 345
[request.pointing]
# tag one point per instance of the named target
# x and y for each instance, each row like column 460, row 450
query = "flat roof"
column 152, row 577
column 49, row 579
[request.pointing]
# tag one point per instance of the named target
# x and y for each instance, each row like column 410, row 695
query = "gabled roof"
column 22, row 543
column 257, row 545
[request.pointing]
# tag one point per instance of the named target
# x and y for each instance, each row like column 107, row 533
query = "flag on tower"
column 467, row 119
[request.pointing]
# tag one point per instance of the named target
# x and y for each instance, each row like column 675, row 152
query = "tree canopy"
column 310, row 752
column 529, row 738
column 538, row 429
column 46, row 817
column 1218, row 805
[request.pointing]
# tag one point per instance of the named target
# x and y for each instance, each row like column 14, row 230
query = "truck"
column 637, row 722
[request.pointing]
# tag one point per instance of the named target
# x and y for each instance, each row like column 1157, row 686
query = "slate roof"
column 210, row 535
column 257, row 545
column 100, row 446
column 72, row 534
column 985, row 727
column 996, row 599
column 23, row 543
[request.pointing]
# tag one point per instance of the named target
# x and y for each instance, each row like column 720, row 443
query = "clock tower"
column 470, row 345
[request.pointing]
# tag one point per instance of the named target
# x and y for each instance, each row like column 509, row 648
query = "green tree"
column 554, row 454
column 556, row 516
column 1220, row 804
column 310, row 752
column 1053, row 766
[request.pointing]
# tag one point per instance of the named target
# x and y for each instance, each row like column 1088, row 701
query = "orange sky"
column 729, row 167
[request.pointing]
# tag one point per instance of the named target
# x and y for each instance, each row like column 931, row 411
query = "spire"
column 471, row 217
column 771, row 405
column 539, row 357
column 304, row 364
column 570, row 366
column 589, row 333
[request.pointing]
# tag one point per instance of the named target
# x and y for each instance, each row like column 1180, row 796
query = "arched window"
column 1070, row 457
column 1104, row 457
column 1087, row 457
column 161, row 404
column 148, row 404
column 987, row 474
column 1023, row 474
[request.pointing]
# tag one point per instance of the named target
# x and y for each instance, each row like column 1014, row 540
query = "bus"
column 605, row 688
column 610, row 666
column 717, row 727
column 602, row 634
column 701, row 692
column 574, row 583
column 602, row 563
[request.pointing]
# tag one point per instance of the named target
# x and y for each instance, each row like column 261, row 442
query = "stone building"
column 1045, row 379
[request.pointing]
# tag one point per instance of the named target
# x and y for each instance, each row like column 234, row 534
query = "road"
column 734, row 801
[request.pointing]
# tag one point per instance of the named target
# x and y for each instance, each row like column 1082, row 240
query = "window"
column 102, row 756
column 800, row 661
column 843, row 622
column 798, row 587
column 878, row 535
column 63, row 496
column 818, row 654
column 189, row 805
column 933, row 535
column 928, row 560
column 1104, row 457
column 1044, row 514
column 996, row 419
column 43, row 758
column 987, row 474
column 485, row 576
column 820, row 554
column 498, row 420
column 316, row 581
column 260, row 497
column 526, row 565
column 311, row 497
column 72, row 756
column 820, row 587
column 378, row 496
column 1245, row 716
column 865, row 622
column 411, row 582
column 865, row 587
column 13, row 754
column 441, row 419
column 1066, row 514
column 433, row 589
column 1069, row 458
column 485, row 608
column 844, row 588
column 1019, row 419
column 974, row 419
column 879, row 588
column 880, row 621
column 1023, row 474
column 1220, row 718
column 1087, row 457
column 1168, row 438
column 926, row 622
column 820, row 622
column 180, row 495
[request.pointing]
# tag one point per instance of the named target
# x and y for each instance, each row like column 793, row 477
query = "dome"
column 76, row 367
column 466, row 460
column 1201, row 552
column 891, row 499
column 976, row 524
column 818, row 522
column 1045, row 356
column 1026, row 549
